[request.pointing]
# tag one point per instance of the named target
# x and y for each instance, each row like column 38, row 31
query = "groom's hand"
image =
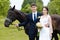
column 16, row 25
column 46, row 25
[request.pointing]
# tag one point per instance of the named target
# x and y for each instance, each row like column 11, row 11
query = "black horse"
column 14, row 14
column 56, row 26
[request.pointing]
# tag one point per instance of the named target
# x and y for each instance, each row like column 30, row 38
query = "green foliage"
column 54, row 7
column 26, row 9
column 39, row 5
column 4, row 5
column 26, row 5
column 28, row 2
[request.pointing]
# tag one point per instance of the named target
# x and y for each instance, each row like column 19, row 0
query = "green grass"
column 11, row 33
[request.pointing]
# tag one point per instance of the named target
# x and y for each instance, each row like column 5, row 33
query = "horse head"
column 14, row 14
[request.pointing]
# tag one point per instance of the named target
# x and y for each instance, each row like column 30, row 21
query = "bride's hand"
column 17, row 25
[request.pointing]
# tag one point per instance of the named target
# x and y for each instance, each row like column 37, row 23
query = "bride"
column 46, row 22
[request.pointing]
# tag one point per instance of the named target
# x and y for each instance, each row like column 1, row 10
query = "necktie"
column 34, row 17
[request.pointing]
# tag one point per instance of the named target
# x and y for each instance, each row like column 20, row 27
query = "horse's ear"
column 10, row 6
column 13, row 7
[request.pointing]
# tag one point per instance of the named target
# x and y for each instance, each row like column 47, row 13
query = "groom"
column 32, row 19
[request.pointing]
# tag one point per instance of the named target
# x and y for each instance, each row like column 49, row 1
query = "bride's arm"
column 50, row 25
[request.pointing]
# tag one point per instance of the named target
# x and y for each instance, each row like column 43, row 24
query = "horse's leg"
column 55, row 35
column 52, row 36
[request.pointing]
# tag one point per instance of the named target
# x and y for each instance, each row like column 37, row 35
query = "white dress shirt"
column 33, row 15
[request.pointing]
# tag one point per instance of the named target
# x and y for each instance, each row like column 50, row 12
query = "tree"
column 4, row 6
column 54, row 7
column 26, row 5
column 39, row 5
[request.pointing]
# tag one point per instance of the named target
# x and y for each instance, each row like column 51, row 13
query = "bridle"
column 8, row 19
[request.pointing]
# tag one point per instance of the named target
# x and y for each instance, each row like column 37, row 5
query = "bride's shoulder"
column 49, row 16
column 40, row 16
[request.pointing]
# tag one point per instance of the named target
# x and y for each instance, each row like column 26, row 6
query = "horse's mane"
column 21, row 14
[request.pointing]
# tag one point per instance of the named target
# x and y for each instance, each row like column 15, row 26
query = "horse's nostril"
column 6, row 25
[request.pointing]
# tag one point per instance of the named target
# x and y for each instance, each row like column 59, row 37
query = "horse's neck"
column 21, row 17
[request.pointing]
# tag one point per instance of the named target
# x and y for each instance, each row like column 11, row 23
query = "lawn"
column 11, row 33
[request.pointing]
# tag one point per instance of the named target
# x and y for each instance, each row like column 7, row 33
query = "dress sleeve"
column 50, row 24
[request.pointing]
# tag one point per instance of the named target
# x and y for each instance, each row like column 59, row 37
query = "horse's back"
column 56, row 21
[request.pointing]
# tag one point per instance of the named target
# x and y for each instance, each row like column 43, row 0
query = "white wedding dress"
column 45, row 31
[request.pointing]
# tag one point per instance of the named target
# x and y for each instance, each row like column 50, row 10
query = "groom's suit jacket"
column 32, row 28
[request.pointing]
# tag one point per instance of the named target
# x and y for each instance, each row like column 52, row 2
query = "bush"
column 26, row 9
column 4, row 6
column 26, row 5
column 54, row 7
